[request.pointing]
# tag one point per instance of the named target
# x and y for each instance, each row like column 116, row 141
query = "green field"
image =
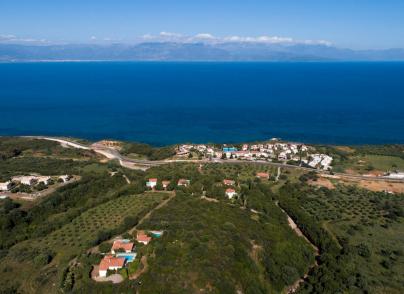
column 83, row 230
column 217, row 247
column 221, row 248
column 367, row 163
column 64, row 244
column 368, row 223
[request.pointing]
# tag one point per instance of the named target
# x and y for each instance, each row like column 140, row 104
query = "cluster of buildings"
column 31, row 181
column 273, row 150
column 123, row 252
column 395, row 175
column 152, row 183
column 230, row 192
column 321, row 161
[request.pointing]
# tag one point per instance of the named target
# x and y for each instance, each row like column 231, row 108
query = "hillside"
column 206, row 228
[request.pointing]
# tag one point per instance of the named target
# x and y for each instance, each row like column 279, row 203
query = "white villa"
column 320, row 161
column 152, row 183
column 230, row 193
column 65, row 178
column 25, row 180
column 5, row 186
column 43, row 179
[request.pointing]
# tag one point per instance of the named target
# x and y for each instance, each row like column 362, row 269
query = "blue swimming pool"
column 129, row 257
column 156, row 234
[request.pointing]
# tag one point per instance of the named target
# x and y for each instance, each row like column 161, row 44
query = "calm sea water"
column 164, row 103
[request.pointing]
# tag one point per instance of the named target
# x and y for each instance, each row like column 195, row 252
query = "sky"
column 356, row 24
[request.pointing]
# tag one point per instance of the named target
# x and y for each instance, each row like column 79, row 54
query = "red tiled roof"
column 127, row 246
column 165, row 182
column 263, row 175
column 143, row 238
column 110, row 261
column 153, row 180
column 229, row 190
column 228, row 182
column 183, row 181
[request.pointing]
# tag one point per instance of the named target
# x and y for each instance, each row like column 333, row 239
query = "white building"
column 5, row 186
column 183, row 182
column 25, row 180
column 322, row 161
column 43, row 179
column 151, row 183
column 399, row 175
column 230, row 193
column 65, row 178
column 110, row 263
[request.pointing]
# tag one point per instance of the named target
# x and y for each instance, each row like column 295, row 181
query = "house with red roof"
column 110, row 262
column 228, row 182
column 152, row 183
column 184, row 182
column 230, row 193
column 143, row 238
column 122, row 244
column 165, row 184
column 264, row 176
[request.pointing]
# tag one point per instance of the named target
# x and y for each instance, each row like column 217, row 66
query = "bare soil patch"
column 382, row 186
column 322, row 182
column 345, row 149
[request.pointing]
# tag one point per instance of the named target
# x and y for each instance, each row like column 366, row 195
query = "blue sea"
column 171, row 102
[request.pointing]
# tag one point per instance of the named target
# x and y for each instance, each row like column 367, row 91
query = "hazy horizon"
column 356, row 25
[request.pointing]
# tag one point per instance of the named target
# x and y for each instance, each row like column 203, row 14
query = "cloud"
column 170, row 35
column 7, row 38
column 211, row 39
column 14, row 39
column 206, row 36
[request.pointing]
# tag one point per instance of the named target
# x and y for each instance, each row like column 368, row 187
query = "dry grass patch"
column 322, row 182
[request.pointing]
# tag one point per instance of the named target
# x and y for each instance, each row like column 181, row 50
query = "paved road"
column 127, row 162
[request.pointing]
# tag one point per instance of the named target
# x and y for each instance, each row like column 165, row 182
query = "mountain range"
column 177, row 51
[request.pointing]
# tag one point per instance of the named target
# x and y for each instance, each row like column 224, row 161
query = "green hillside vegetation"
column 145, row 150
column 360, row 234
column 45, row 258
column 222, row 248
column 364, row 159
column 210, row 243
column 17, row 146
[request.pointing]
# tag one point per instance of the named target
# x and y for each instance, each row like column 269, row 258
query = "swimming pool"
column 156, row 233
column 129, row 257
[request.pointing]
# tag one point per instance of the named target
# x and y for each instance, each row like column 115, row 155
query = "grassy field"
column 370, row 163
column 365, row 222
column 70, row 240
column 84, row 229
column 220, row 248
column 241, row 172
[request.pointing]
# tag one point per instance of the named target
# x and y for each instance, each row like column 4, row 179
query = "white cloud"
column 7, row 38
column 210, row 38
column 14, row 39
column 93, row 38
column 317, row 42
column 206, row 36
column 170, row 35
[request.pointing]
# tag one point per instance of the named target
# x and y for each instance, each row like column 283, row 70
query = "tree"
column 104, row 247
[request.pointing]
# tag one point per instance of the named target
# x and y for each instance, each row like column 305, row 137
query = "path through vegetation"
column 293, row 288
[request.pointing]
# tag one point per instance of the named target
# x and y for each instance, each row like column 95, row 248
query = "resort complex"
column 272, row 151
